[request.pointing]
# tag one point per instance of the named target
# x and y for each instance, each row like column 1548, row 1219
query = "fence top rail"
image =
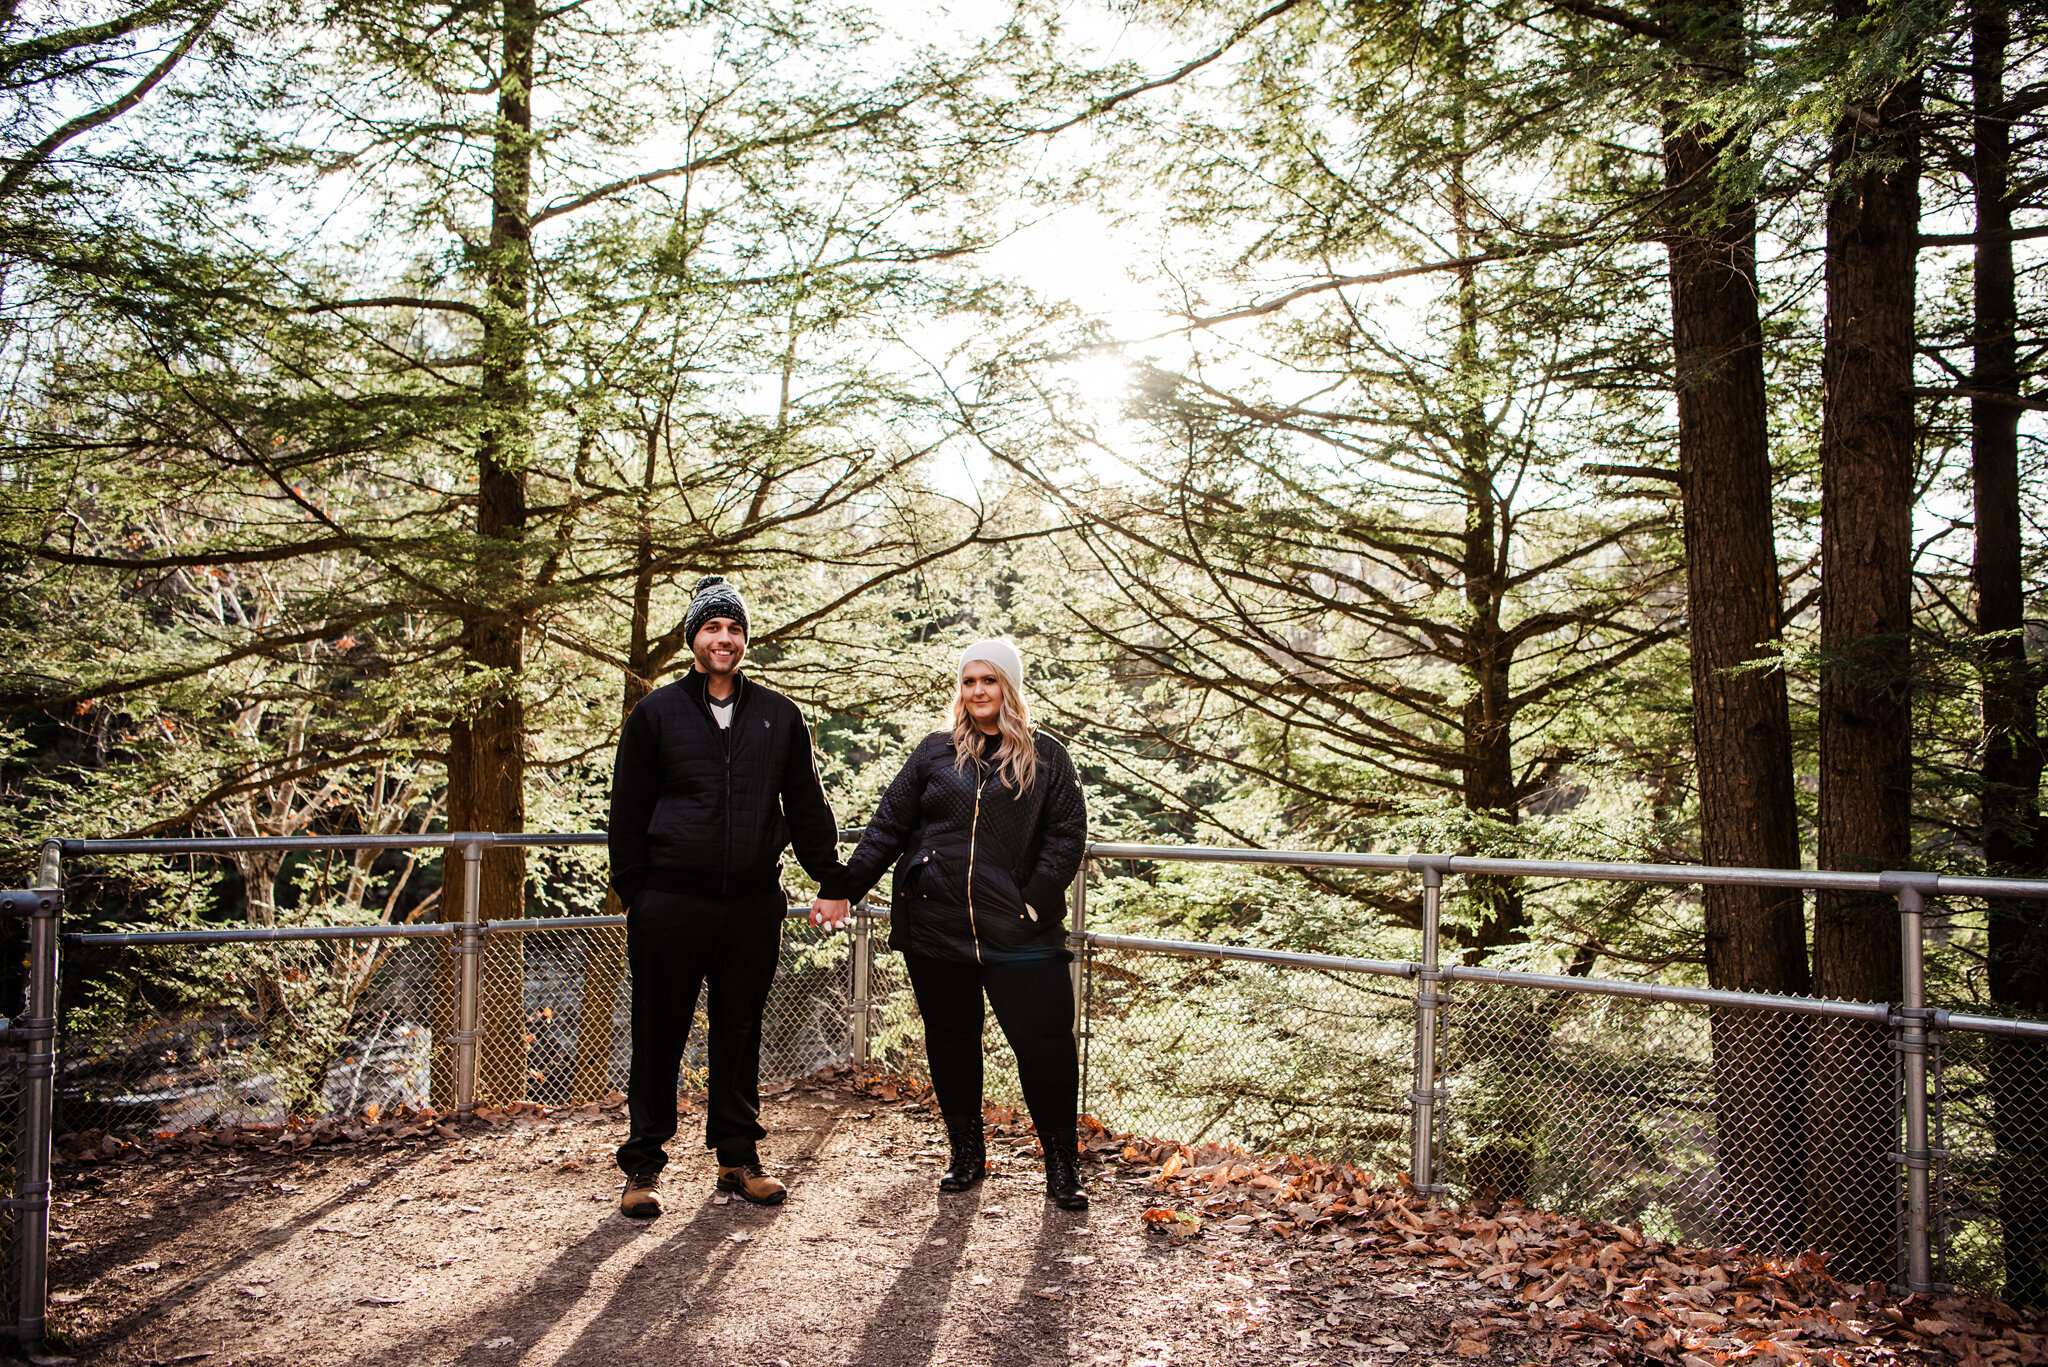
column 1878, row 1013
column 1285, row 958
column 231, row 935
column 255, row 843
column 1951, row 884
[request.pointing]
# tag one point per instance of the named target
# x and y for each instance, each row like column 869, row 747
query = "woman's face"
column 981, row 693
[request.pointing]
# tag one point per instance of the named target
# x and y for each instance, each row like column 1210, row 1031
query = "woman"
column 986, row 827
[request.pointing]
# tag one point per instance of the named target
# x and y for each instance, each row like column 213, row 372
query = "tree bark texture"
column 496, row 635
column 2011, row 764
column 1487, row 726
column 1867, row 465
column 1755, row 938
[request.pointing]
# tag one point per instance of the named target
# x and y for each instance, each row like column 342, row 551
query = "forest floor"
column 498, row 1242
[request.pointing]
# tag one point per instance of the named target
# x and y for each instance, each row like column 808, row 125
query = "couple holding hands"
column 985, row 826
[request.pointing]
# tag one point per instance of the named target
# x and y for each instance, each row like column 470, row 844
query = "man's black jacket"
column 982, row 870
column 705, row 810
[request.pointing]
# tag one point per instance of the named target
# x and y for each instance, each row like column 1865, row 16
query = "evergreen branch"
column 1976, row 238
column 398, row 301
column 14, row 55
column 65, row 132
column 1921, row 391
column 17, row 701
column 259, row 780
column 1334, row 283
column 716, row 159
column 1635, row 472
column 1109, row 102
column 1620, row 18
column 195, row 559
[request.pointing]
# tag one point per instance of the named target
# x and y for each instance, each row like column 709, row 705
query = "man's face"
column 720, row 645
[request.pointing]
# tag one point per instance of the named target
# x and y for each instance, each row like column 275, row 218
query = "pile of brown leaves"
column 1572, row 1282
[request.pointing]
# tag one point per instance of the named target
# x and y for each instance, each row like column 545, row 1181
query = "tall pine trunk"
column 1742, row 734
column 2011, row 765
column 1486, row 722
column 495, row 636
column 1867, row 460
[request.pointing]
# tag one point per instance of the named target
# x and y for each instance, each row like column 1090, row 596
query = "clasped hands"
column 829, row 914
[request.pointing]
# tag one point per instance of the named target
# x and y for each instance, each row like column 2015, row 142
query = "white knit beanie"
column 1001, row 654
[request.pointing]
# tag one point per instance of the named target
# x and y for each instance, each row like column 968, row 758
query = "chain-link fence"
column 1716, row 1118
column 169, row 1036
column 1264, row 1056
column 1993, row 1174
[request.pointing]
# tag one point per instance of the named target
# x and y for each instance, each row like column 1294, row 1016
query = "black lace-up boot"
column 1063, row 1175
column 970, row 1159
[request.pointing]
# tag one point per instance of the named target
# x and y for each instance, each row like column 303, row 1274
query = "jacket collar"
column 697, row 684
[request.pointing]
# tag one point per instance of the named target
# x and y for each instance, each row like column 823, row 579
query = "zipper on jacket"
column 974, row 828
column 725, row 878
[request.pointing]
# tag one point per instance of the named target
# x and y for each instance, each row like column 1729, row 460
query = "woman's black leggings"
column 1034, row 1004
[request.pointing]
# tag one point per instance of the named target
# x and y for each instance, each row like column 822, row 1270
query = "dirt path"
column 503, row 1246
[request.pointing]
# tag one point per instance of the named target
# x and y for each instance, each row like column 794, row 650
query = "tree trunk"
column 496, row 636
column 1867, row 459
column 1742, row 733
column 1486, row 723
column 2011, row 765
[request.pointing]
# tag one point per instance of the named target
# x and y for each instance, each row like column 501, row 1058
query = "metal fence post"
column 863, row 977
column 469, row 946
column 1079, row 973
column 1425, row 1094
column 1077, row 939
column 1912, row 1020
column 38, row 1030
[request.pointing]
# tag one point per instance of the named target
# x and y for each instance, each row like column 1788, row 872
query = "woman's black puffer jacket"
column 981, row 870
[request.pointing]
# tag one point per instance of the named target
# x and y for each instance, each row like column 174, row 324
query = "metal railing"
column 1910, row 1031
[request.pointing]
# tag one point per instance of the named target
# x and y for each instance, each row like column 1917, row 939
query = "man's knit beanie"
column 714, row 598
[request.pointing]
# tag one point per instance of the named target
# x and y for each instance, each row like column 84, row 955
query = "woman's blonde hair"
column 1016, row 754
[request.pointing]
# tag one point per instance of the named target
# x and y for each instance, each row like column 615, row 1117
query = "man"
column 714, row 778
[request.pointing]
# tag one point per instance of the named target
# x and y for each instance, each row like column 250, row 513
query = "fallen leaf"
column 741, row 1238
column 498, row 1343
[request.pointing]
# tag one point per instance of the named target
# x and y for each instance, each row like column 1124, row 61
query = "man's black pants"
column 673, row 944
column 1034, row 1004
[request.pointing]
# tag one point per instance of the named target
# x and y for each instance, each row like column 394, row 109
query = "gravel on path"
column 503, row 1246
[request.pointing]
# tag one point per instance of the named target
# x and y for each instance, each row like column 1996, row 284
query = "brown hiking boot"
column 752, row 1182
column 640, row 1201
